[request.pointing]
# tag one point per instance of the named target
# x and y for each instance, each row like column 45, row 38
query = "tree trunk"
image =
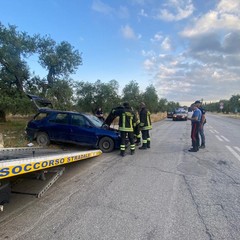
column 2, row 116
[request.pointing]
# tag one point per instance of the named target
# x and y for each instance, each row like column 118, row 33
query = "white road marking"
column 237, row 148
column 216, row 131
column 225, row 138
column 219, row 138
column 211, row 131
column 235, row 154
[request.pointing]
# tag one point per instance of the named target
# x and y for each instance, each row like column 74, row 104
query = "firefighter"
column 137, row 133
column 127, row 121
column 145, row 126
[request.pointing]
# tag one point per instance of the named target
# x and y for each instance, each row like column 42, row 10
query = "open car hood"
column 40, row 102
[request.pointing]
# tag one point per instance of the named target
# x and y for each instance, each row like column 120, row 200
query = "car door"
column 58, row 127
column 82, row 131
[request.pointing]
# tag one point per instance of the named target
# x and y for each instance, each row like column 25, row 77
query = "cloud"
column 129, row 33
column 230, row 6
column 224, row 17
column 195, row 81
column 121, row 12
column 101, row 7
column 207, row 63
column 149, row 64
column 175, row 10
column 166, row 44
column 143, row 13
column 157, row 37
column 231, row 43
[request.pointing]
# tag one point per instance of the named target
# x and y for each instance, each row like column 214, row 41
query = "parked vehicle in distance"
column 50, row 125
column 170, row 114
column 180, row 114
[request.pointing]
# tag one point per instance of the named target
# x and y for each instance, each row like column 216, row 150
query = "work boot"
column 148, row 144
column 122, row 153
column 193, row 150
column 138, row 142
column 132, row 152
column 143, row 147
column 202, row 146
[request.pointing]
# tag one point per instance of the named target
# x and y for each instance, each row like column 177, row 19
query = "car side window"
column 60, row 118
column 40, row 116
column 78, row 120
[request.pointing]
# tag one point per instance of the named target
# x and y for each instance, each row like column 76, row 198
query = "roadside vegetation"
column 13, row 132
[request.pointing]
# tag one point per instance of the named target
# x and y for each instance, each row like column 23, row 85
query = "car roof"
column 48, row 110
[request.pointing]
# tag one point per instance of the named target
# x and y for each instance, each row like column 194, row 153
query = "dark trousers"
column 145, row 136
column 195, row 135
column 124, row 136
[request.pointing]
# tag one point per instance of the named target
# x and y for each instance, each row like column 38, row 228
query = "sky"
column 187, row 49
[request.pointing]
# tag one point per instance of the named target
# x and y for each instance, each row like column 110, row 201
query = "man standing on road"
column 196, row 118
column 202, row 122
column 145, row 126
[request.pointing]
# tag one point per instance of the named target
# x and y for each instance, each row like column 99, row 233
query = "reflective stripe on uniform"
column 122, row 147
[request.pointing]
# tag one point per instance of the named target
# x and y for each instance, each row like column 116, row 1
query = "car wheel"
column 42, row 139
column 106, row 144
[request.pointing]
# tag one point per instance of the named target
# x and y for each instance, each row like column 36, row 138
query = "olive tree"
column 60, row 60
column 15, row 48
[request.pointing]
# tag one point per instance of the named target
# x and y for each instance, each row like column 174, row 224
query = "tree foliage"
column 60, row 60
column 232, row 105
column 150, row 98
column 92, row 95
column 132, row 95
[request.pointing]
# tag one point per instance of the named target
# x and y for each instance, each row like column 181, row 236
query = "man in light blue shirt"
column 196, row 118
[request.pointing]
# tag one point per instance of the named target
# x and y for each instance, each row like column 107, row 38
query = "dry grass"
column 13, row 132
column 158, row 116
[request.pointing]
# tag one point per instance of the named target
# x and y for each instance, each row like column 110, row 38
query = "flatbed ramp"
column 34, row 170
column 37, row 185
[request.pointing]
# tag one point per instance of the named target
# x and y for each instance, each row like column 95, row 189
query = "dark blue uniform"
column 195, row 129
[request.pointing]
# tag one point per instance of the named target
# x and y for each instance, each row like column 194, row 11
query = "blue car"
column 50, row 125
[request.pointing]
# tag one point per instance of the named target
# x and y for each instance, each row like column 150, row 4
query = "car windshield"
column 40, row 115
column 95, row 120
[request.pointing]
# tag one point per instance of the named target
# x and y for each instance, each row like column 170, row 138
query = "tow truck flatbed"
column 21, row 162
column 14, row 162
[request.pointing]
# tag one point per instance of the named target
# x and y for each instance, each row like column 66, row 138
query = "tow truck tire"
column 43, row 139
column 106, row 144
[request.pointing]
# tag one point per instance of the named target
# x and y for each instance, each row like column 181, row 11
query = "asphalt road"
column 164, row 193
